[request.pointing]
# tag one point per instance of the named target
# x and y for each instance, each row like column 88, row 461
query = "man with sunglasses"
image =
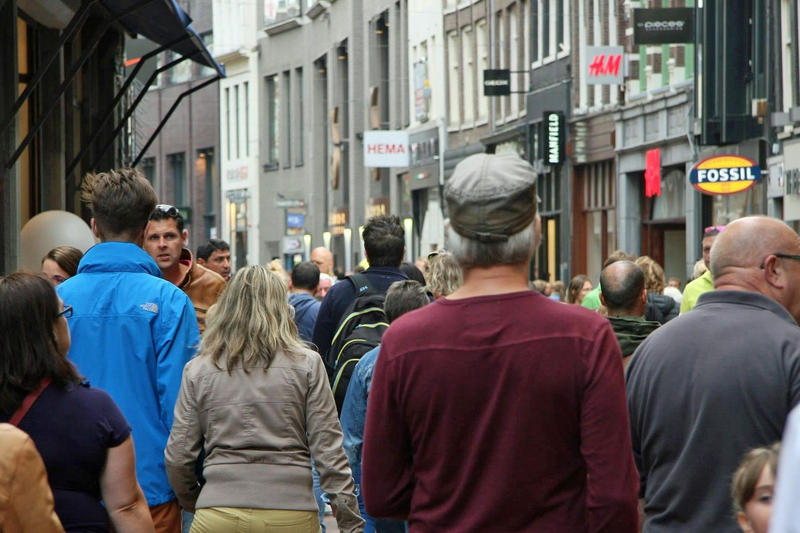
column 705, row 388
column 165, row 241
column 132, row 331
column 705, row 282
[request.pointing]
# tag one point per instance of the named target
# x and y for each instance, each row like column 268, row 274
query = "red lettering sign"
column 386, row 149
column 605, row 65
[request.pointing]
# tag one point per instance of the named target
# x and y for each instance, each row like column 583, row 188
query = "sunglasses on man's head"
column 718, row 229
column 169, row 210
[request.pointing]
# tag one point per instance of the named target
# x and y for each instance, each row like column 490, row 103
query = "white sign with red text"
column 383, row 148
column 605, row 65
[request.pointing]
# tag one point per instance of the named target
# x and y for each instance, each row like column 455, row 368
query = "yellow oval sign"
column 725, row 174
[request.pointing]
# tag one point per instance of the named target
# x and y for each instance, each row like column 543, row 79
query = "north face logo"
column 153, row 308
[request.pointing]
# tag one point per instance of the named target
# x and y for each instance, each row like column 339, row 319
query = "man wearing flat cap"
column 496, row 408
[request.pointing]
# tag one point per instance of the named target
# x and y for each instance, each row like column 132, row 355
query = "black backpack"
column 360, row 330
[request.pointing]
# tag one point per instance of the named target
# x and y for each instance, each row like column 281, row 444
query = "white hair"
column 519, row 248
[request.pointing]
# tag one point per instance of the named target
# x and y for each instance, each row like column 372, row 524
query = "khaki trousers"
column 239, row 520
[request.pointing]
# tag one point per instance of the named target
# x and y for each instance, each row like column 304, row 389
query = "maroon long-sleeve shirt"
column 500, row 413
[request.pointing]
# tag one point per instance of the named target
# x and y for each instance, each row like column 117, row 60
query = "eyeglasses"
column 710, row 229
column 66, row 312
column 782, row 256
column 169, row 210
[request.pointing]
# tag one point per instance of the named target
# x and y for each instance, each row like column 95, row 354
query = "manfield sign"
column 554, row 137
column 724, row 174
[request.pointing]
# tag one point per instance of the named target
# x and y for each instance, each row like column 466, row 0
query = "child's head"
column 753, row 486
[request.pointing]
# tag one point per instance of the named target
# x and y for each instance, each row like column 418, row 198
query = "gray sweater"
column 260, row 430
column 703, row 389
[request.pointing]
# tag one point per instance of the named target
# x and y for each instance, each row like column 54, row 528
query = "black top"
column 73, row 430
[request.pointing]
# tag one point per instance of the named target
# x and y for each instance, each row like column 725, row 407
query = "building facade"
column 182, row 163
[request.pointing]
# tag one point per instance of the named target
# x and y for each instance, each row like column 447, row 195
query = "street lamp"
column 307, row 244
column 326, row 239
column 348, row 249
column 408, row 227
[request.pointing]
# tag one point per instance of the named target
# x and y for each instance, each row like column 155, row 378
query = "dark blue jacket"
column 340, row 296
column 306, row 308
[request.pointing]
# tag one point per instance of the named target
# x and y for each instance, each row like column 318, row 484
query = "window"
column 551, row 24
column 287, row 117
column 482, row 38
column 273, row 121
column 205, row 172
column 454, row 84
column 228, row 132
column 514, row 50
column 177, row 172
column 180, row 72
column 469, row 75
column 237, row 115
column 247, row 119
column 208, row 40
column 298, row 75
column 278, row 10
column 148, row 168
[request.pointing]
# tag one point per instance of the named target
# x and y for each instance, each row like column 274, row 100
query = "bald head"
column 746, row 242
column 323, row 258
column 622, row 288
column 748, row 256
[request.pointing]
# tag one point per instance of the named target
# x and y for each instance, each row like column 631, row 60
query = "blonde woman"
column 660, row 307
column 261, row 403
column 443, row 274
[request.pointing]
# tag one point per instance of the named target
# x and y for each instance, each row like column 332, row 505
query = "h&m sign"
column 554, row 137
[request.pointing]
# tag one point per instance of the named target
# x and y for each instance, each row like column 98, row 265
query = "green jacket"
column 694, row 289
column 592, row 299
column 631, row 331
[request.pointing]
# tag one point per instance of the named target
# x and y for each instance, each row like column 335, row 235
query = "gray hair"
column 470, row 253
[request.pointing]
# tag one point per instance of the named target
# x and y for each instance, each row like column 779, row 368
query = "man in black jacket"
column 384, row 245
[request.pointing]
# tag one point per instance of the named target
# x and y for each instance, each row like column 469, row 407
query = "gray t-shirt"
column 703, row 390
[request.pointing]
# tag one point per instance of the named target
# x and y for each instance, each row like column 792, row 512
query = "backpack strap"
column 361, row 285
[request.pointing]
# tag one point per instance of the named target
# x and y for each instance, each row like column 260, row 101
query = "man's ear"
column 773, row 272
column 95, row 231
column 643, row 296
column 602, row 299
column 185, row 236
column 200, row 261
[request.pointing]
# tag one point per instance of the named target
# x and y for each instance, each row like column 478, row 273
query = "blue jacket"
column 306, row 308
column 132, row 333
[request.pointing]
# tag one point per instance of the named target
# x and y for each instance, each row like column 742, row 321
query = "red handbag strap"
column 32, row 396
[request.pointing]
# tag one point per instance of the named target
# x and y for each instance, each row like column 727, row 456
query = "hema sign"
column 383, row 148
column 663, row 25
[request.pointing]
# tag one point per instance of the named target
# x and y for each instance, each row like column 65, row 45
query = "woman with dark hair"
column 259, row 403
column 80, row 433
column 578, row 288
column 61, row 263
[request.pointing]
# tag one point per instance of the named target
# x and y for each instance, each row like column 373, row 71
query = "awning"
column 163, row 21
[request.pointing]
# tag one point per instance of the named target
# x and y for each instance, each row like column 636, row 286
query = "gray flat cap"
column 491, row 197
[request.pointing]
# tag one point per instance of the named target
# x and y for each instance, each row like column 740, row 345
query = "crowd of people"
column 146, row 388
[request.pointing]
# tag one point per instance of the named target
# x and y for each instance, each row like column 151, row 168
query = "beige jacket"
column 26, row 502
column 260, row 430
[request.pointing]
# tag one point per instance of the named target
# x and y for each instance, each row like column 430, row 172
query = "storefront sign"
column 378, row 207
column 295, row 220
column 553, row 148
column 496, row 82
column 292, row 245
column 605, row 65
column 383, row 149
column 663, row 25
column 725, row 174
column 338, row 220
